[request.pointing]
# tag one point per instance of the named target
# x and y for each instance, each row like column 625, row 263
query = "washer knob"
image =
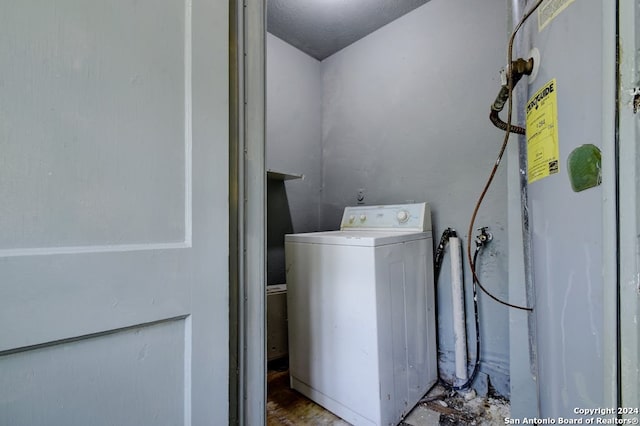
column 352, row 218
column 363, row 217
column 402, row 216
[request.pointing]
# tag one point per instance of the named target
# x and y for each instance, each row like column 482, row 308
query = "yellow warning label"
column 549, row 9
column 542, row 133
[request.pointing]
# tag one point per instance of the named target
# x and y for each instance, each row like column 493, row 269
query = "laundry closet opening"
column 377, row 103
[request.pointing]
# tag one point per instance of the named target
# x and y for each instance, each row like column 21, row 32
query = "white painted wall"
column 294, row 127
column 405, row 116
column 294, row 138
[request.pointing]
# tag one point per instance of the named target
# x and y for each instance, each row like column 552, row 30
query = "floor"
column 287, row 407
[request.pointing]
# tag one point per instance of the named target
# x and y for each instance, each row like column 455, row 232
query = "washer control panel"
column 409, row 217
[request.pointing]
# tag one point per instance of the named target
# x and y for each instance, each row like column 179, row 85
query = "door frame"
column 247, row 213
column 628, row 302
column 610, row 214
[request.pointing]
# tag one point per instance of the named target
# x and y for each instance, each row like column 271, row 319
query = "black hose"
column 439, row 256
column 476, row 366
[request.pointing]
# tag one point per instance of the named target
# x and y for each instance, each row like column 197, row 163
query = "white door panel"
column 113, row 212
column 109, row 379
column 95, row 135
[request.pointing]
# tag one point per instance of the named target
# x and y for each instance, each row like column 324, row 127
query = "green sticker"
column 584, row 165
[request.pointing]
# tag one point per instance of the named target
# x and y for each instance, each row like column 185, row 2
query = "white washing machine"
column 361, row 307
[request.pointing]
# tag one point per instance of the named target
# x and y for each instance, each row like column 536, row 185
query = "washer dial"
column 402, row 216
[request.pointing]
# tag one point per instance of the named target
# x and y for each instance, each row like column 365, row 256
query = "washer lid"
column 356, row 237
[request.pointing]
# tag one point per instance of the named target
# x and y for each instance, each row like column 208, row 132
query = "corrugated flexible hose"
column 497, row 106
column 497, row 121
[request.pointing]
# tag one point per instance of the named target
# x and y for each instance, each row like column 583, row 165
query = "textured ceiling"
column 322, row 27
